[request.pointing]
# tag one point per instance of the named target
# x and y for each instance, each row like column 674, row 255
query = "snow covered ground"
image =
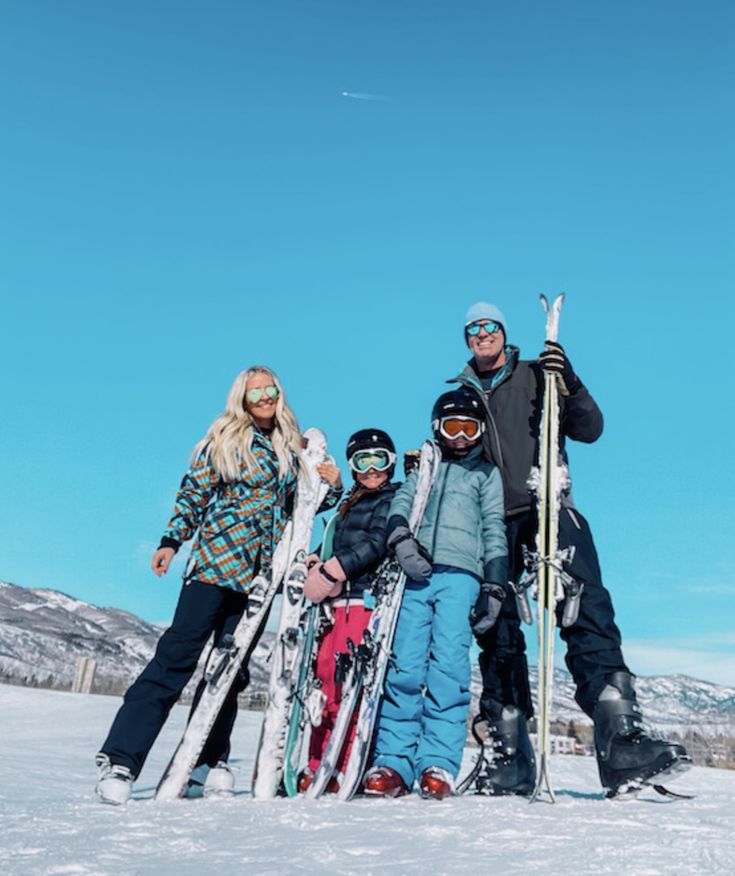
column 52, row 824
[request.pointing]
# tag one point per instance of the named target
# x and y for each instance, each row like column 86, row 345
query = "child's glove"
column 324, row 580
column 487, row 608
column 411, row 459
column 413, row 557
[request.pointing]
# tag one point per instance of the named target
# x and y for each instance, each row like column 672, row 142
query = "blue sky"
column 186, row 191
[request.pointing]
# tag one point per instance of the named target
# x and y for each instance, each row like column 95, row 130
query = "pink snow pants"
column 347, row 625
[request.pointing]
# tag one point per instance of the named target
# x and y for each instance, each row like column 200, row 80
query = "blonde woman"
column 236, row 498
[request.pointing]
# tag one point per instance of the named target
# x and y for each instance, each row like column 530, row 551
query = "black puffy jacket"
column 513, row 416
column 359, row 538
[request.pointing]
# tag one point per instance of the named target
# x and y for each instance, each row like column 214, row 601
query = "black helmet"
column 372, row 439
column 460, row 402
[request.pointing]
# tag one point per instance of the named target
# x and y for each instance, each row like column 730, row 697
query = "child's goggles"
column 490, row 327
column 256, row 394
column 379, row 459
column 453, row 427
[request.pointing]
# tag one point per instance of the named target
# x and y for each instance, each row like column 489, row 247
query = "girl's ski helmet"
column 372, row 439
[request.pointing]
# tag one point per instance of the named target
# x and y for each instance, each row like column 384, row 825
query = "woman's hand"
column 331, row 474
column 162, row 560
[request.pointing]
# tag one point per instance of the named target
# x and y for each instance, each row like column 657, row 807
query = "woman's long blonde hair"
column 229, row 440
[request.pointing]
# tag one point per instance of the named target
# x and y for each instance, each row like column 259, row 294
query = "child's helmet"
column 460, row 402
column 370, row 442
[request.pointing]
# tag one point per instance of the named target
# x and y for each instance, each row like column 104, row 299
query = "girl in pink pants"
column 344, row 578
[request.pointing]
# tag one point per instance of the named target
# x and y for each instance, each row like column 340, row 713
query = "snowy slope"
column 51, row 823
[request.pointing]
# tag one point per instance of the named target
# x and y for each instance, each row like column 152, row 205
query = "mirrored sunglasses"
column 490, row 327
column 255, row 394
column 363, row 460
column 453, row 427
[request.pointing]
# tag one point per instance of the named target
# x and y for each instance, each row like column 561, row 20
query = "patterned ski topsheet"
column 288, row 648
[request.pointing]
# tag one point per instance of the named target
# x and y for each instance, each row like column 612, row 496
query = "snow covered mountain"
column 43, row 633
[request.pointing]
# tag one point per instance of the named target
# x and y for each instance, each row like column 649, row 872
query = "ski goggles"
column 379, row 459
column 453, row 427
column 490, row 327
column 255, row 394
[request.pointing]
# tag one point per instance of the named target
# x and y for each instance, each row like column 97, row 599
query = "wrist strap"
column 323, row 572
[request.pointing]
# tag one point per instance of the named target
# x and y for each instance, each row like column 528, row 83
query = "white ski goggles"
column 363, row 460
column 453, row 426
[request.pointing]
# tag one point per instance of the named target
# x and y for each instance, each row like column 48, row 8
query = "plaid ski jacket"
column 239, row 523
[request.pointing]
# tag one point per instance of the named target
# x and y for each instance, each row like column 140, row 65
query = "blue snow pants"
column 423, row 716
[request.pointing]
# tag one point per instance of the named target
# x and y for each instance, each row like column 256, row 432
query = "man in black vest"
column 511, row 391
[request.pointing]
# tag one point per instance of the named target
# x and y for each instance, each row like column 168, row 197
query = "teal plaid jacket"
column 239, row 523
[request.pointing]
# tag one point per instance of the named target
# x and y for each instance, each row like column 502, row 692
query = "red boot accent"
column 436, row 784
column 384, row 782
column 306, row 777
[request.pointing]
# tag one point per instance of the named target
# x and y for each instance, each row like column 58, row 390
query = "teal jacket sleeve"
column 495, row 544
column 400, row 507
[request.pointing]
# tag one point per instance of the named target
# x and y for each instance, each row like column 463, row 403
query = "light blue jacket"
column 464, row 523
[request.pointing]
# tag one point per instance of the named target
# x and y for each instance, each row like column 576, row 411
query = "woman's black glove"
column 487, row 608
column 413, row 557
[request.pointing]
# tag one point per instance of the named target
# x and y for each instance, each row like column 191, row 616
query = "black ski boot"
column 627, row 756
column 510, row 767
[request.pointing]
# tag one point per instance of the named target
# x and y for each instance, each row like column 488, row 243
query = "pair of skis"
column 288, row 658
column 288, row 566
column 545, row 572
column 294, row 695
column 362, row 687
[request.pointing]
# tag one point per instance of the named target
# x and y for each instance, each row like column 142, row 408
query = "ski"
column 288, row 649
column 388, row 589
column 547, row 481
column 308, row 699
column 306, row 692
column 353, row 667
column 225, row 661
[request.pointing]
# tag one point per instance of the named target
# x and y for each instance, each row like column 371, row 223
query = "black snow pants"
column 593, row 641
column 202, row 609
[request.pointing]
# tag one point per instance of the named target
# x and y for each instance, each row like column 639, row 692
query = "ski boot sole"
column 633, row 786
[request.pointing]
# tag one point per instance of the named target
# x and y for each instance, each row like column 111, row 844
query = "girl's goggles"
column 363, row 460
column 255, row 394
column 453, row 427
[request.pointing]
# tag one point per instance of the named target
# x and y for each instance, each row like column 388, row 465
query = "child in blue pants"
column 456, row 567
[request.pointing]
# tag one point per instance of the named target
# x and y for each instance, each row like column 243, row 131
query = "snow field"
column 53, row 824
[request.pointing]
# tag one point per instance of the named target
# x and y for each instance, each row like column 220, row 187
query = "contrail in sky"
column 362, row 95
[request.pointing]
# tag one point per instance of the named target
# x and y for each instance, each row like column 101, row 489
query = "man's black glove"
column 554, row 360
column 414, row 559
column 487, row 608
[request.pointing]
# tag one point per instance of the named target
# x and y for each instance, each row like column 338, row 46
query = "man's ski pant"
column 593, row 641
column 423, row 716
column 202, row 609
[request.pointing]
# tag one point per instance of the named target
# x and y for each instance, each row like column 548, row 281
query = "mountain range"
column 43, row 633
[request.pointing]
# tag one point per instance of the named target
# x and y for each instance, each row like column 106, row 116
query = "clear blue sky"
column 186, row 191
